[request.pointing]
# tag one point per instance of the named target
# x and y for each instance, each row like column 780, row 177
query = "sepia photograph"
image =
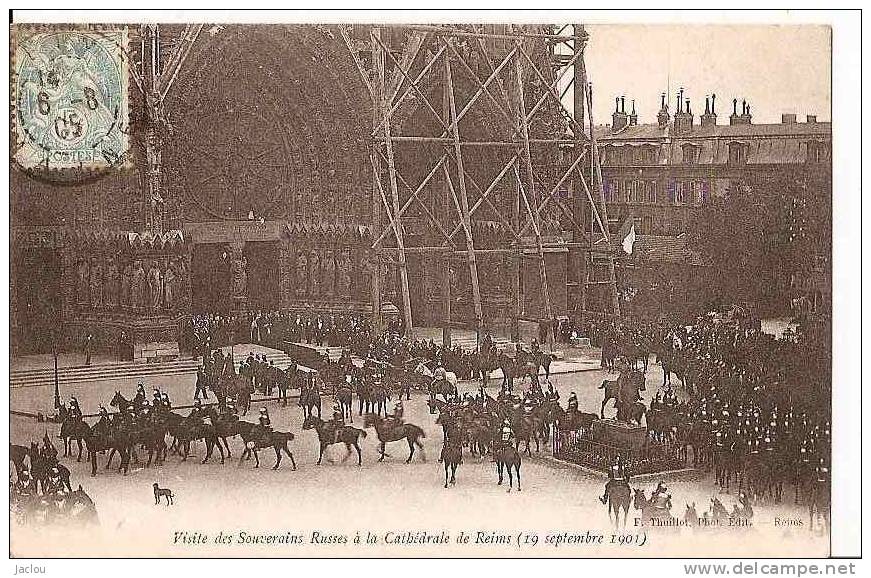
column 434, row 288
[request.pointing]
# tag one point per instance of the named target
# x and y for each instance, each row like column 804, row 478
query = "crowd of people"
column 758, row 404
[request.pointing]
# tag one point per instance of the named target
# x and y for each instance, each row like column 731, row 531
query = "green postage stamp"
column 70, row 100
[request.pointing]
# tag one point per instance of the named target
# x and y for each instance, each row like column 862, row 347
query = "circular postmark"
column 70, row 102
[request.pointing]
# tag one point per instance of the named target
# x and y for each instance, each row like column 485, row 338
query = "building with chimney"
column 660, row 175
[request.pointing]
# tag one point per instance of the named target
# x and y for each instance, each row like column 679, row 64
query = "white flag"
column 629, row 240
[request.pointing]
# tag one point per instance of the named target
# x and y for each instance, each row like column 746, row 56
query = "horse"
column 633, row 353
column 80, row 507
column 539, row 360
column 618, row 497
column 444, row 388
column 236, row 387
column 527, row 428
column 120, row 402
column 507, row 457
column 662, row 423
column 691, row 516
column 452, row 456
column 153, row 438
column 649, row 510
column 17, row 454
column 99, row 441
column 407, row 431
column 819, row 503
column 516, row 368
column 631, row 412
column 573, row 421
column 744, row 511
column 70, row 430
column 41, row 465
column 625, row 389
column 192, row 429
column 277, row 440
column 310, row 398
column 378, row 397
column 327, row 436
column 726, row 463
column 718, row 510
column 344, row 396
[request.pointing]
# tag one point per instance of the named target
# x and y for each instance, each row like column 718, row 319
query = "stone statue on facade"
column 83, row 285
column 138, row 297
column 126, row 278
column 169, row 287
column 343, row 267
column 154, row 286
column 329, row 273
column 182, row 289
column 314, row 275
column 96, row 284
column 240, row 278
column 110, row 293
column 301, row 274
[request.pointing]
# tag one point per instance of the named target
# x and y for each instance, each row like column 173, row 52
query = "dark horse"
column 619, row 497
column 18, row 454
column 508, row 457
column 344, row 397
column 254, row 441
column 541, row 359
column 310, row 398
column 386, row 433
column 327, row 436
column 41, row 465
column 73, row 429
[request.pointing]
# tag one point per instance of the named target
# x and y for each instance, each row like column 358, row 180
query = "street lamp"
column 57, row 403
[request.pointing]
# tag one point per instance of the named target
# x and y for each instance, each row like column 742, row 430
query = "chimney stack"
column 683, row 119
column 633, row 116
column 745, row 117
column 662, row 117
column 619, row 119
column 710, row 117
column 811, row 118
column 787, row 118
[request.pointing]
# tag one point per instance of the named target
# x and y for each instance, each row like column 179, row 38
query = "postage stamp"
column 70, row 99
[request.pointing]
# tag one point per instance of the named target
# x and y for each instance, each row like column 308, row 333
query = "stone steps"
column 123, row 370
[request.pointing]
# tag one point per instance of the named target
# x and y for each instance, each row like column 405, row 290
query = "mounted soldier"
column 264, row 426
column 552, row 394
column 197, row 411
column 398, row 410
column 573, row 403
column 506, row 434
column 617, row 476
column 140, row 397
column 104, row 422
column 75, row 412
column 660, row 498
column 528, row 404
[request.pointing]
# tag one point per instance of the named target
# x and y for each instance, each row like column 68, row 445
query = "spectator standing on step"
column 88, row 344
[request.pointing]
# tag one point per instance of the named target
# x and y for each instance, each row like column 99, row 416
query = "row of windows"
column 675, row 192
column 817, row 152
column 630, row 155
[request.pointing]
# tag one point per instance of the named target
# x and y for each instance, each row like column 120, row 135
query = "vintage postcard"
column 491, row 289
